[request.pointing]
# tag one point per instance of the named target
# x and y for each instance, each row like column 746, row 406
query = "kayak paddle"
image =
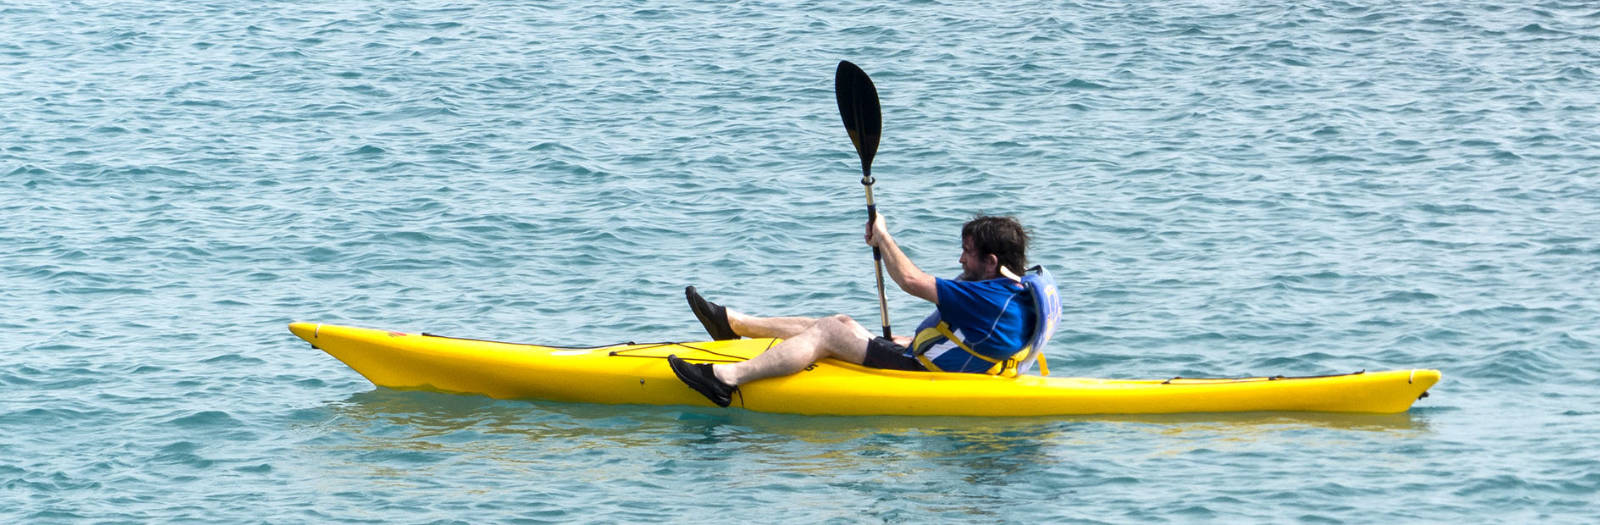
column 858, row 104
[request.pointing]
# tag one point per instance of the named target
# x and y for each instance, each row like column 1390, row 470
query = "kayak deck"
column 638, row 374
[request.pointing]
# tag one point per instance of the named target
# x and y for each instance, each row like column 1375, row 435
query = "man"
column 984, row 321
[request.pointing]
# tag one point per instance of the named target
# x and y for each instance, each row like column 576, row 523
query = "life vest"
column 936, row 336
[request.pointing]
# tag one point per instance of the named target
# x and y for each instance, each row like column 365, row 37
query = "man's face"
column 973, row 267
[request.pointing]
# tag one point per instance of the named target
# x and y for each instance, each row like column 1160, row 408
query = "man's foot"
column 702, row 380
column 712, row 316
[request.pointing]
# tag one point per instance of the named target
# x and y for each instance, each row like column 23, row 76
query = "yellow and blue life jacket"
column 941, row 348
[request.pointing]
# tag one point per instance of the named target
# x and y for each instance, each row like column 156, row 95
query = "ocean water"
column 1223, row 188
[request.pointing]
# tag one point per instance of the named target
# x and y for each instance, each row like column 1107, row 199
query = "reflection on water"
column 954, row 468
column 393, row 423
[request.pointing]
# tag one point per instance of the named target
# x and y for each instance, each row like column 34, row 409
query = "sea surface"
column 1223, row 188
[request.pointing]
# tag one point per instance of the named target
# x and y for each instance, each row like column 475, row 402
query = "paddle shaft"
column 877, row 257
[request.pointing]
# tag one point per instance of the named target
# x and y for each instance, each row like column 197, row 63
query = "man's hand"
column 877, row 232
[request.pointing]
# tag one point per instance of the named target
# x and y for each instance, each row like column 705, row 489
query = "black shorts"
column 883, row 353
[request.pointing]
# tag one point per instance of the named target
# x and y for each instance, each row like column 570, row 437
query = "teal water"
column 1223, row 188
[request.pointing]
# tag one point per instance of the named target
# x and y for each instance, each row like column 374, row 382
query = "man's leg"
column 836, row 336
column 723, row 323
column 780, row 327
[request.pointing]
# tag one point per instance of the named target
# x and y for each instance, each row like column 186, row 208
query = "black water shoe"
column 702, row 380
column 712, row 316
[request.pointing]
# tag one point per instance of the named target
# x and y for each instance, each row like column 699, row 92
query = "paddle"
column 858, row 105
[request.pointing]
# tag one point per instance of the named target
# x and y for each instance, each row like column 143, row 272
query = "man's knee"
column 837, row 323
column 843, row 337
column 842, row 329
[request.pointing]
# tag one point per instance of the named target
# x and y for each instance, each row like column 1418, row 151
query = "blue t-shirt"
column 994, row 317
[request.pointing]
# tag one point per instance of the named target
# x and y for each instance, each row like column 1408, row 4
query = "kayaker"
column 984, row 321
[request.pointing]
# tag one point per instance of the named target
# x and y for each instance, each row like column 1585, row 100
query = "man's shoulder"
column 992, row 290
column 1000, row 284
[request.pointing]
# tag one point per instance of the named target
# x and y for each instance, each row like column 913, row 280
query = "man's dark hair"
column 1001, row 236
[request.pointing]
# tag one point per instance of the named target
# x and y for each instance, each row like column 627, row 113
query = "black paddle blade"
column 858, row 104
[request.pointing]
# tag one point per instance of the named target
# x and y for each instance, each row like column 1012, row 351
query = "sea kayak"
column 638, row 374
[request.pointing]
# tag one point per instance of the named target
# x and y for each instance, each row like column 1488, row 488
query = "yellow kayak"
column 638, row 374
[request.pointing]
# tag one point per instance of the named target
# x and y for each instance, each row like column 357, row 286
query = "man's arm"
column 910, row 278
